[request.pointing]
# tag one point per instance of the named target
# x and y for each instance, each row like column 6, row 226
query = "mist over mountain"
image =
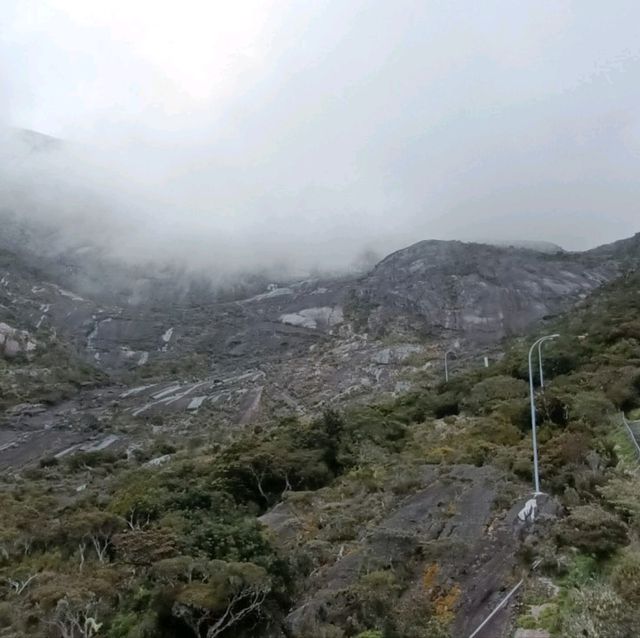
column 289, row 138
column 319, row 319
column 68, row 198
column 79, row 203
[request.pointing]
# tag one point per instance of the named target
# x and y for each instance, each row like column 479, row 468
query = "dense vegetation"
column 103, row 545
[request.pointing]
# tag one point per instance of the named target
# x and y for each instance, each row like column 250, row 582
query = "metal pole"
column 499, row 606
column 536, row 478
column 502, row 603
column 534, row 440
column 540, row 365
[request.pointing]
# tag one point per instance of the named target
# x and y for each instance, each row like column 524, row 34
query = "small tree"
column 140, row 498
column 144, row 547
column 75, row 620
column 234, row 592
column 179, row 569
column 97, row 528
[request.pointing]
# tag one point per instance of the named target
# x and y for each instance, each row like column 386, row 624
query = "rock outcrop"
column 14, row 342
column 477, row 292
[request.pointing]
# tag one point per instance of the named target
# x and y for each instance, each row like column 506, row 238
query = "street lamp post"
column 540, row 365
column 539, row 342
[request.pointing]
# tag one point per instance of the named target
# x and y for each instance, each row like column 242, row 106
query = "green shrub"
column 374, row 596
column 621, row 385
column 446, row 404
column 487, row 393
column 515, row 411
column 126, row 625
column 597, row 611
column 229, row 538
column 566, row 450
column 552, row 409
column 371, row 425
column 579, row 571
column 562, row 356
column 6, row 614
column 592, row 530
column 81, row 460
column 496, row 431
column 623, row 494
column 48, row 461
column 625, row 577
column 592, row 408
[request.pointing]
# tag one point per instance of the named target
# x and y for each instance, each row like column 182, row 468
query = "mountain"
column 23, row 142
column 477, row 292
column 281, row 457
column 291, row 464
column 292, row 348
column 303, row 343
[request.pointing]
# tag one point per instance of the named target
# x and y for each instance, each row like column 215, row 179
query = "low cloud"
column 342, row 130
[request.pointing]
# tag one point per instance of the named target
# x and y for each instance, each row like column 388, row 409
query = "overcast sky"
column 305, row 131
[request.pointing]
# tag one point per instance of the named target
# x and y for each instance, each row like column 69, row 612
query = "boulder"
column 14, row 342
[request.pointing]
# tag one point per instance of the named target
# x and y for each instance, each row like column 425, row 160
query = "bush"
column 561, row 357
column 566, row 451
column 485, row 395
column 597, row 611
column 626, row 576
column 374, row 597
column 371, row 426
column 553, row 409
column 6, row 615
column 516, row 411
column 592, row 408
column 621, row 385
column 235, row 596
column 623, row 494
column 446, row 404
column 592, row 530
column 231, row 539
column 48, row 461
column 497, row 432
column 82, row 460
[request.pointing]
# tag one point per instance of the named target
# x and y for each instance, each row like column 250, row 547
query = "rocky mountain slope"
column 405, row 517
column 294, row 347
column 282, row 458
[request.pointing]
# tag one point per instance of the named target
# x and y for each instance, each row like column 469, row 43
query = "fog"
column 300, row 135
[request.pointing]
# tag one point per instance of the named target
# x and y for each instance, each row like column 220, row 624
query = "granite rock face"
column 297, row 345
column 439, row 533
column 477, row 292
